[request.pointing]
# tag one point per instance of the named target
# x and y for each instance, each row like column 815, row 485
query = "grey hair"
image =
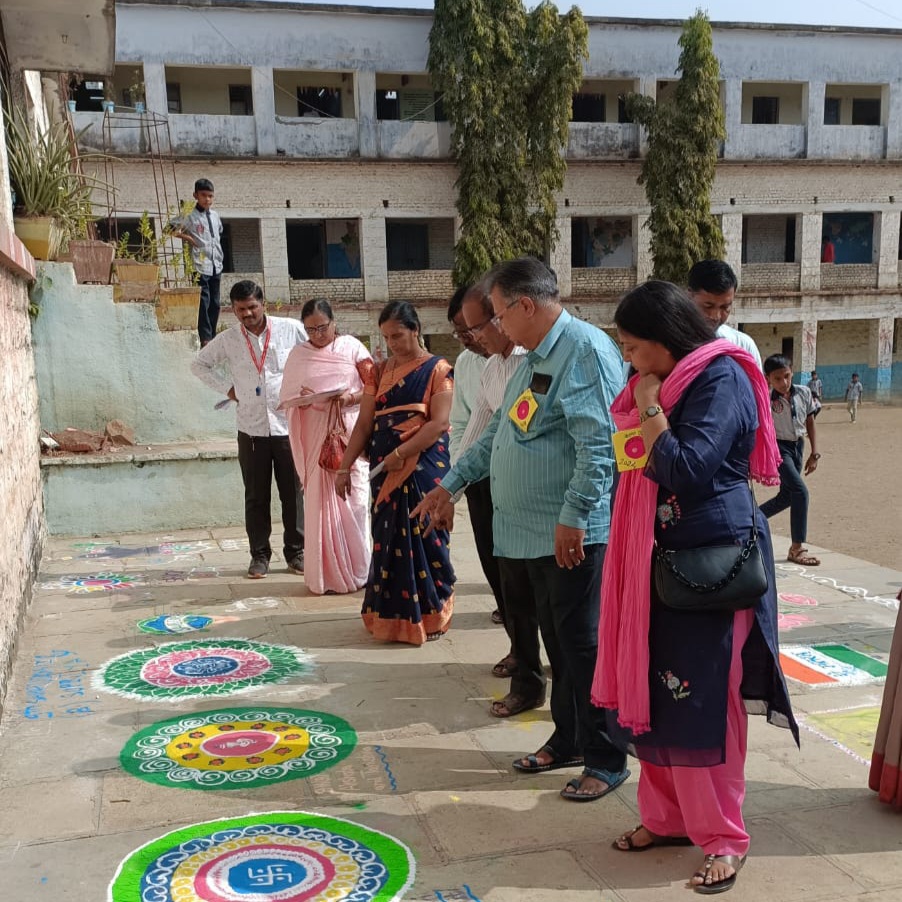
column 524, row 276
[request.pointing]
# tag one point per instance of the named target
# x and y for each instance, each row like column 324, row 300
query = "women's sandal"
column 719, row 886
column 505, row 668
column 625, row 843
column 803, row 558
column 532, row 765
column 613, row 780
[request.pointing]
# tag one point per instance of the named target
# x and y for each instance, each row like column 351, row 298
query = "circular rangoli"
column 281, row 856
column 201, row 667
column 235, row 748
column 175, row 623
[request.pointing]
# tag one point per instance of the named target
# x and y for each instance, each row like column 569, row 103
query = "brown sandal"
column 513, row 704
column 505, row 668
column 802, row 558
column 625, row 843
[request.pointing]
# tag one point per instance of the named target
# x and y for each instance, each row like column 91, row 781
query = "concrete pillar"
column 809, row 348
column 731, row 226
column 274, row 251
column 155, row 88
column 812, row 225
column 374, row 259
column 560, row 255
column 732, row 117
column 817, row 91
column 645, row 265
column 264, row 110
column 882, row 354
column 894, row 121
column 648, row 85
column 365, row 101
column 886, row 248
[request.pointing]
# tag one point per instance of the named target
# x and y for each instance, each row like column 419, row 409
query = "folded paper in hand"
column 314, row 398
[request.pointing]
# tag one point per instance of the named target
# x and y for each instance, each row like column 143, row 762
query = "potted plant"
column 49, row 195
column 136, row 91
column 141, row 263
column 91, row 258
column 179, row 299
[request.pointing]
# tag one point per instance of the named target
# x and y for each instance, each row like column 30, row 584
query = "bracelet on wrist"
column 398, row 454
column 342, row 472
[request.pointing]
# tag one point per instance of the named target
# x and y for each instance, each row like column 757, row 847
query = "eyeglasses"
column 460, row 334
column 496, row 319
column 319, row 330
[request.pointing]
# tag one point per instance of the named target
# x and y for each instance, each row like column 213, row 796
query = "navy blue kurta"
column 702, row 468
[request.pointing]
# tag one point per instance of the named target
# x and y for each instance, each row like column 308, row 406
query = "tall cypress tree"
column 684, row 136
column 507, row 79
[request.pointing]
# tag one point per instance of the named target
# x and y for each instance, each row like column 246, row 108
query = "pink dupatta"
column 621, row 671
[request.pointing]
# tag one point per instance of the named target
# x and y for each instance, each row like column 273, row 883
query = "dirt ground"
column 856, row 493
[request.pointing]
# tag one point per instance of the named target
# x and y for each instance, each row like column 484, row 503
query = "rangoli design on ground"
column 280, row 856
column 201, row 667
column 94, row 582
column 236, row 748
column 167, row 624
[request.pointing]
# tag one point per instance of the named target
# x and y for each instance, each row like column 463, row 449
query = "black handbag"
column 712, row 578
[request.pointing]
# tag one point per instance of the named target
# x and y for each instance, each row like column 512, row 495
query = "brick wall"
column 765, row 239
column 848, row 275
column 441, row 243
column 230, row 278
column 303, row 290
column 247, row 255
column 420, row 284
column 22, row 523
column 770, row 276
column 602, row 281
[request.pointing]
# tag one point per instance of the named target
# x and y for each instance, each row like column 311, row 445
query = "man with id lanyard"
column 548, row 452
column 253, row 352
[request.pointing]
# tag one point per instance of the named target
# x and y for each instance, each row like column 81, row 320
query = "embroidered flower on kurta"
column 679, row 688
column 669, row 512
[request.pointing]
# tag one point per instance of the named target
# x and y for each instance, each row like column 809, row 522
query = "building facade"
column 329, row 152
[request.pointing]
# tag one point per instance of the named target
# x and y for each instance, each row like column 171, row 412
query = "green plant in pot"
column 179, row 299
column 137, row 265
column 49, row 195
column 91, row 258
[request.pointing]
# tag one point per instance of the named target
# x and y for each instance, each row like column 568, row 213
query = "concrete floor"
column 431, row 767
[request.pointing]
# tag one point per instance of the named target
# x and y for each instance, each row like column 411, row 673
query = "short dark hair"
column 663, row 312
column 457, row 300
column 203, row 185
column 402, row 312
column 246, row 290
column 776, row 362
column 524, row 276
column 855, row 376
column 317, row 305
column 713, row 276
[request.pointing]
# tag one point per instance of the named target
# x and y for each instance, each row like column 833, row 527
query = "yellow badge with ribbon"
column 523, row 410
column 629, row 450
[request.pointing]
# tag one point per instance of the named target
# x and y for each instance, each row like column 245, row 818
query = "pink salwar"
column 705, row 803
column 336, row 530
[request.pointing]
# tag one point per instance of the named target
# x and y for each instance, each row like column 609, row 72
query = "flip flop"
column 613, row 781
column 656, row 840
column 505, row 668
column 497, row 617
column 515, row 704
column 556, row 763
column 720, row 886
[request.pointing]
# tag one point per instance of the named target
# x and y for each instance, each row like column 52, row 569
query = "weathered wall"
column 97, row 361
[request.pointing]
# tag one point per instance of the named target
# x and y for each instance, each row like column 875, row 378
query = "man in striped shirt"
column 549, row 454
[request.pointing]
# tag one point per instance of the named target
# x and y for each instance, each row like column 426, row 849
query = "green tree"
column 684, row 135
column 507, row 79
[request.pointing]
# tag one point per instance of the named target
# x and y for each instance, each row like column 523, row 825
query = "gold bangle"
column 398, row 454
column 342, row 472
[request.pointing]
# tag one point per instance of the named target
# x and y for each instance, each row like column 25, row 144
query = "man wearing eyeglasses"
column 549, row 453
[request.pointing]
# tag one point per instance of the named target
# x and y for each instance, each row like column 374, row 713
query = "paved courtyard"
column 99, row 763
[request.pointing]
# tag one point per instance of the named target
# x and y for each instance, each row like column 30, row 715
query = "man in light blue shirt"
column 548, row 452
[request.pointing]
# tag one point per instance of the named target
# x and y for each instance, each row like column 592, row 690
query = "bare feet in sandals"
column 513, row 704
column 799, row 555
column 717, row 875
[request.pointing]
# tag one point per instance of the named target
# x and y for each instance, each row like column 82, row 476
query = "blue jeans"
column 793, row 491
column 208, row 314
column 567, row 605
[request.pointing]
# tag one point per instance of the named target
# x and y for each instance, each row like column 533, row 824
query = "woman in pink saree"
column 336, row 531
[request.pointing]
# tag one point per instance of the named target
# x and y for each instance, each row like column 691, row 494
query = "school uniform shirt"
column 559, row 468
column 226, row 361
column 205, row 226
column 854, row 391
column 791, row 413
column 741, row 340
column 467, row 372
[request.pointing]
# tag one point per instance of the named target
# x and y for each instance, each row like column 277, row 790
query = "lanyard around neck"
column 258, row 365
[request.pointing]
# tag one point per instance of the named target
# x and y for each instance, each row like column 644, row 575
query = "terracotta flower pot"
column 132, row 271
column 92, row 260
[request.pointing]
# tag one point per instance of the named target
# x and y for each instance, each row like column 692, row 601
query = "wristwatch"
column 650, row 412
column 816, row 456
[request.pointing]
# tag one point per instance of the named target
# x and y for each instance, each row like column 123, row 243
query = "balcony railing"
column 602, row 140
column 599, row 281
column 420, row 285
column 770, row 276
column 307, row 137
column 765, row 142
column 348, row 290
column 202, row 134
column 838, row 276
column 851, row 142
column 413, row 140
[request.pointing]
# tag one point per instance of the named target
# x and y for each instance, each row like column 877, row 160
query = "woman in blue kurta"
column 702, row 405
column 404, row 424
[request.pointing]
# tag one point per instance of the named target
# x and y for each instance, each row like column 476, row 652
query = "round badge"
column 235, row 748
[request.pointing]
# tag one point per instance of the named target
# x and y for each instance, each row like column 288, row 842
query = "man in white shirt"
column 253, row 352
column 467, row 372
column 712, row 285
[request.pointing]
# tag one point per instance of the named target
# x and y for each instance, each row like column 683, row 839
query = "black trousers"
column 479, row 505
column 260, row 457
column 208, row 311
column 566, row 603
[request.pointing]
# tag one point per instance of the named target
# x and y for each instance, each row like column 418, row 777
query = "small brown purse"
column 336, row 441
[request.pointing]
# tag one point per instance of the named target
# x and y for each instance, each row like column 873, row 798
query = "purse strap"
column 666, row 557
